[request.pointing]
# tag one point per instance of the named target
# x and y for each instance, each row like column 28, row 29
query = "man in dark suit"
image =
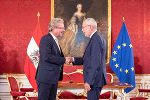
column 50, row 68
column 94, row 68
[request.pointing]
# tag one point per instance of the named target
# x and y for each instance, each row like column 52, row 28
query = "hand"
column 87, row 87
column 69, row 60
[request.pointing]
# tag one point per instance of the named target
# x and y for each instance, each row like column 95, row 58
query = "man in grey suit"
column 50, row 68
column 93, row 60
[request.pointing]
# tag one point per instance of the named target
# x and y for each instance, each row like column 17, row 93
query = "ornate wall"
column 18, row 20
column 137, row 18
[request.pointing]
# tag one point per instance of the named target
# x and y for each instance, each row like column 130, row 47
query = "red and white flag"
column 32, row 58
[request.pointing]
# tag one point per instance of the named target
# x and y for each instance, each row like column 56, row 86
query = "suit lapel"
column 87, row 47
column 90, row 41
column 89, row 44
column 55, row 44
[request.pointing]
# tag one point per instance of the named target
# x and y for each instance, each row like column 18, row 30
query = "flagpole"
column 123, row 19
column 38, row 15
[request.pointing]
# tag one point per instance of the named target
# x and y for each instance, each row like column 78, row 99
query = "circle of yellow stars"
column 114, row 59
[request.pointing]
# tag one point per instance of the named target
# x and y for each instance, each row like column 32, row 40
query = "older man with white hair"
column 93, row 60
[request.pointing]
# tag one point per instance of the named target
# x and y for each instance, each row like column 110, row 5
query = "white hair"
column 54, row 23
column 92, row 22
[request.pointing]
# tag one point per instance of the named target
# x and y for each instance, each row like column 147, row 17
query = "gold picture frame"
column 62, row 3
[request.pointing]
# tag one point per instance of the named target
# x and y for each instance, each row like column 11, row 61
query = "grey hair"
column 54, row 22
column 92, row 22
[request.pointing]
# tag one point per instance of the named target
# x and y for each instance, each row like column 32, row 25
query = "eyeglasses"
column 60, row 27
column 85, row 26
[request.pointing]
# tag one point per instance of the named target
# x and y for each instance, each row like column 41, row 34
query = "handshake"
column 69, row 60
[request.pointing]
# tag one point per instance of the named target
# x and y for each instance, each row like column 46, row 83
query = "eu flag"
column 122, row 59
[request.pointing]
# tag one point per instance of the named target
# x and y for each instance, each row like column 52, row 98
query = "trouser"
column 47, row 91
column 94, row 93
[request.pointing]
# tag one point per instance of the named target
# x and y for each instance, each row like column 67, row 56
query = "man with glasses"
column 94, row 68
column 50, row 68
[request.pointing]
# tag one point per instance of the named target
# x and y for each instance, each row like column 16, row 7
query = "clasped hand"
column 69, row 60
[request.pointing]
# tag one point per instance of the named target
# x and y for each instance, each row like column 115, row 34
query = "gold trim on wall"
column 52, row 9
column 109, row 31
column 109, row 27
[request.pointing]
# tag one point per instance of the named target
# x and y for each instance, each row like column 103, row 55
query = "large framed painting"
column 74, row 12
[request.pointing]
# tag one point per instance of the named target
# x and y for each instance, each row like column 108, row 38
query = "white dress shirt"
column 92, row 33
column 56, row 40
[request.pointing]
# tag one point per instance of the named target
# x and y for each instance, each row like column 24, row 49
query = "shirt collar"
column 92, row 33
column 54, row 37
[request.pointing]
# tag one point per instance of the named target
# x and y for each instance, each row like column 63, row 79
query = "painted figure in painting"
column 74, row 41
column 79, row 16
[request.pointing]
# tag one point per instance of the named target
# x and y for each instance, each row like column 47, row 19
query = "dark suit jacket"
column 94, row 68
column 50, row 68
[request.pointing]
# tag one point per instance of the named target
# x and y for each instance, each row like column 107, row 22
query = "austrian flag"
column 32, row 58
column 33, row 52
